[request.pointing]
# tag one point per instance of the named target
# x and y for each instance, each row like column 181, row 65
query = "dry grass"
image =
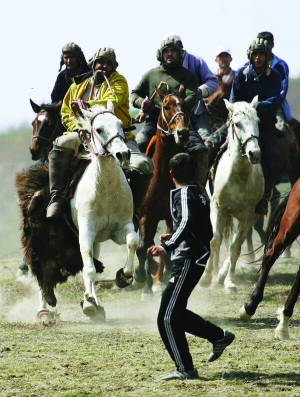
column 125, row 357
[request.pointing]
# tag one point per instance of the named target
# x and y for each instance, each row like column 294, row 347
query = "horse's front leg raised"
column 124, row 276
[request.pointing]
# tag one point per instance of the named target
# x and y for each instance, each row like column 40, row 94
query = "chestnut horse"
column 46, row 127
column 172, row 133
column 283, row 230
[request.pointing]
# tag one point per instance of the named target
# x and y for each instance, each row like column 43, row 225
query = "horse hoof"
column 121, row 280
column 89, row 307
column 137, row 285
column 232, row 289
column 158, row 287
column 47, row 318
column 244, row 316
column 282, row 333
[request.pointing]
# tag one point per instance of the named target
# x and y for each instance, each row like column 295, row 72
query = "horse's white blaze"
column 102, row 206
column 238, row 187
column 41, row 117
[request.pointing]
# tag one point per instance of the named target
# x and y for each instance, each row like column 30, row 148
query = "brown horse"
column 46, row 127
column 172, row 133
column 215, row 105
column 283, row 230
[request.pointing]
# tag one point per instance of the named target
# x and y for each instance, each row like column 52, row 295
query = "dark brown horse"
column 172, row 133
column 215, row 105
column 46, row 127
column 283, row 230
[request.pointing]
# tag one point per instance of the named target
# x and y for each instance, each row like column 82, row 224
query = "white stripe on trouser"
column 167, row 317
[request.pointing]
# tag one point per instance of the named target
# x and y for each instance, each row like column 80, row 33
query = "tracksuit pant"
column 174, row 319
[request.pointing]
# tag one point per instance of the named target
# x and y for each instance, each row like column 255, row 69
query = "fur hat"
column 262, row 46
column 170, row 40
column 75, row 49
column 107, row 53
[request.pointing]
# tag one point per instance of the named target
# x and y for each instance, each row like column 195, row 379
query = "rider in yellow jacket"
column 103, row 83
column 117, row 91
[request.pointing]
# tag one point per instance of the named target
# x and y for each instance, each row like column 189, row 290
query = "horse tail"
column 274, row 223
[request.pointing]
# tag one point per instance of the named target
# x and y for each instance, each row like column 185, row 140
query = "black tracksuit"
column 189, row 244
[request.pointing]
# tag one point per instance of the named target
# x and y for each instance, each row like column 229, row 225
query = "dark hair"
column 184, row 167
column 266, row 36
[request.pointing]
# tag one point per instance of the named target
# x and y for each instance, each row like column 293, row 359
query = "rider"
column 173, row 74
column 283, row 112
column 257, row 78
column 75, row 64
column 101, row 84
column 207, row 85
column 223, row 58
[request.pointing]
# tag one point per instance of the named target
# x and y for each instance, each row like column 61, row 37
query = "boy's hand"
column 156, row 250
column 164, row 237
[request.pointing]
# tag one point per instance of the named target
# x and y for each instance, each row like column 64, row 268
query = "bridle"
column 94, row 136
column 54, row 132
column 169, row 123
column 242, row 144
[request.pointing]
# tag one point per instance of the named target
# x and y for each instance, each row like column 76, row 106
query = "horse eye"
column 167, row 108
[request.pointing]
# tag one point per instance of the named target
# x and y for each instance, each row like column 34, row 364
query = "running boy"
column 189, row 242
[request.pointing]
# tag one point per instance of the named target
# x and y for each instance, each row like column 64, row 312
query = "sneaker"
column 220, row 345
column 181, row 375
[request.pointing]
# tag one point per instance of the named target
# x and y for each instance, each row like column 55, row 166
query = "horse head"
column 106, row 133
column 173, row 119
column 46, row 127
column 215, row 104
column 243, row 128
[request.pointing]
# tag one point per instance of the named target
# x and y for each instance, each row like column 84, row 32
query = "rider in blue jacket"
column 257, row 78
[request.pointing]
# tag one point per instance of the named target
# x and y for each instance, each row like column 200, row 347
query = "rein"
column 242, row 145
column 168, row 131
column 95, row 136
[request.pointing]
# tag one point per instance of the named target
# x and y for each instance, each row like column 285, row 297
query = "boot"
column 270, row 174
column 139, row 184
column 60, row 160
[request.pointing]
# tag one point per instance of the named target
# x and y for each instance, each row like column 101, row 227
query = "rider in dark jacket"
column 75, row 64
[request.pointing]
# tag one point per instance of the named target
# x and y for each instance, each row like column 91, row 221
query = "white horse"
column 102, row 206
column 238, row 187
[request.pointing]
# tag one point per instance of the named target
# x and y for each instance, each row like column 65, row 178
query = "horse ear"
column 228, row 105
column 36, row 108
column 110, row 106
column 84, row 120
column 254, row 102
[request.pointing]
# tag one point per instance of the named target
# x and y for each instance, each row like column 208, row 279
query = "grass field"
column 125, row 356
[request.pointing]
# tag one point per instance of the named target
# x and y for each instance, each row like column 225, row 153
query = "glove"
column 147, row 106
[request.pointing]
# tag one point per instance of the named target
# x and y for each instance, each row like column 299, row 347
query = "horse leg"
column 235, row 251
column 288, row 232
column 44, row 316
column 160, row 278
column 89, row 303
column 212, row 266
column 284, row 315
column 142, row 275
column 124, row 276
